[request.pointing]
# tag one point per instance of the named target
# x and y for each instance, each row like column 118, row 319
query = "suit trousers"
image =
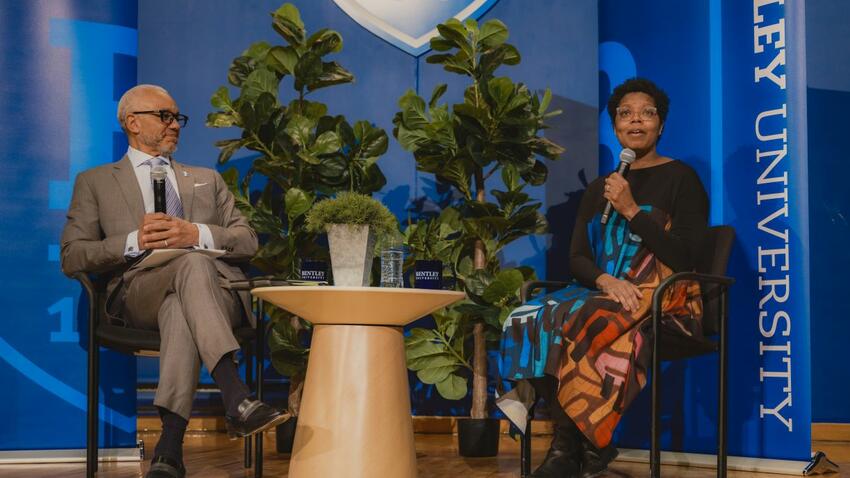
column 195, row 314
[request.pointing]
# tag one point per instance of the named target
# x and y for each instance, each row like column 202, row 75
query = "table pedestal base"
column 355, row 417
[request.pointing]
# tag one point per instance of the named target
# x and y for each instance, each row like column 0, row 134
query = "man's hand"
column 161, row 231
column 621, row 291
column 617, row 191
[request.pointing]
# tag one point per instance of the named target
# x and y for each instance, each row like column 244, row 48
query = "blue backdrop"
column 828, row 97
column 65, row 65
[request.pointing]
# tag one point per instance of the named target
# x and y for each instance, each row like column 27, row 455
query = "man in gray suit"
column 112, row 221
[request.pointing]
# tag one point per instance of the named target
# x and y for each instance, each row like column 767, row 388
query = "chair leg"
column 260, row 349
column 655, row 449
column 722, row 392
column 249, row 364
column 92, row 417
column 525, row 447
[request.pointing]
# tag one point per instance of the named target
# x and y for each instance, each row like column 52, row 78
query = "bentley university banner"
column 735, row 73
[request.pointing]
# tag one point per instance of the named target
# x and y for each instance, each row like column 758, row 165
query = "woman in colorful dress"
column 585, row 348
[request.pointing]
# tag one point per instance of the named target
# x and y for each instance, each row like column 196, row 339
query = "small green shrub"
column 352, row 208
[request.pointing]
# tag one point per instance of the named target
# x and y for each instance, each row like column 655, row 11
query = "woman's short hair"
column 639, row 85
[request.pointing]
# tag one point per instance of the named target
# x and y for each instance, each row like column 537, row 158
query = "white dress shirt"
column 143, row 175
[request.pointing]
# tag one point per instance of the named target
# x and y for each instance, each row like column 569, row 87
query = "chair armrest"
column 88, row 286
column 92, row 293
column 529, row 287
column 253, row 282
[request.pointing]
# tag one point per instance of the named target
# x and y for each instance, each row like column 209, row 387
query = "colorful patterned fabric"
column 597, row 350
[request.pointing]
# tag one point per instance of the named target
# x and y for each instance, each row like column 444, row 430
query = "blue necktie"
column 173, row 206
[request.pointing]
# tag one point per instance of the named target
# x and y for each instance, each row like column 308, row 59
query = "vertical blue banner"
column 66, row 64
column 766, row 185
column 735, row 74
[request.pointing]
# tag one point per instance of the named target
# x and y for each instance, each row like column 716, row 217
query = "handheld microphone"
column 159, row 175
column 627, row 157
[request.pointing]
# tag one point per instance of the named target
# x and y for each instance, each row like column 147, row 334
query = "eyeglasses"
column 166, row 116
column 647, row 114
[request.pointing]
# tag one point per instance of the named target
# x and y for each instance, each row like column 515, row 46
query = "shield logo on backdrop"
column 410, row 24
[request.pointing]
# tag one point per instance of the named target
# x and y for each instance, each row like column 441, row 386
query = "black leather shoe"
column 594, row 461
column 563, row 460
column 165, row 467
column 254, row 417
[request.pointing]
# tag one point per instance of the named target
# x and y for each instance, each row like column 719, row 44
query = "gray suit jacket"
column 107, row 205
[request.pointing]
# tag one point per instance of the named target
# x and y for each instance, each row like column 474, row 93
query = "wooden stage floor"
column 212, row 455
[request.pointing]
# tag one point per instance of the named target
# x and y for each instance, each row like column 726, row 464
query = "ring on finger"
column 166, row 242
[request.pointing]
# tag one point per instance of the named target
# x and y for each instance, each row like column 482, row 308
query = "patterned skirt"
column 596, row 349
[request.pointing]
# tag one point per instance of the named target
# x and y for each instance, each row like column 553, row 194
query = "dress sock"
column 233, row 389
column 170, row 443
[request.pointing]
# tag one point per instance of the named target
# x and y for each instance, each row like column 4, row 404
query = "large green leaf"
column 287, row 22
column 298, row 202
column 505, row 286
column 239, row 69
column 332, row 74
column 373, row 141
column 325, row 41
column 412, row 111
column 327, row 142
column 432, row 375
column 299, row 129
column 228, row 147
column 221, row 120
column 453, row 387
column 307, row 70
column 221, row 99
column 454, row 31
column 433, row 361
column 283, row 59
column 313, row 110
column 501, row 90
column 439, row 90
column 257, row 50
column 261, row 80
column 493, row 34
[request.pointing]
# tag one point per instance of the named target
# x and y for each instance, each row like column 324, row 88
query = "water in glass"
column 391, row 261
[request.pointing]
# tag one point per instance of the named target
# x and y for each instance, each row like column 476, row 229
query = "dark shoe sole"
column 276, row 421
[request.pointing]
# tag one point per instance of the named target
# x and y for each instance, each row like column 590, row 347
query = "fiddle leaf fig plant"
column 494, row 133
column 303, row 152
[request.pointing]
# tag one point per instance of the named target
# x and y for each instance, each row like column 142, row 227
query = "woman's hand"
column 621, row 291
column 617, row 191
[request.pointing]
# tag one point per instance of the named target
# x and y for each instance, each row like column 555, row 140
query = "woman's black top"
column 672, row 187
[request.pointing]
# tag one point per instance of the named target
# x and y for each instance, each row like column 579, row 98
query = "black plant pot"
column 477, row 437
column 286, row 435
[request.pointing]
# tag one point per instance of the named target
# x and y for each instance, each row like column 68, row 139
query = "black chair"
column 710, row 273
column 102, row 333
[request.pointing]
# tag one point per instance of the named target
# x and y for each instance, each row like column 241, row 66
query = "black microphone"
column 159, row 176
column 627, row 157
